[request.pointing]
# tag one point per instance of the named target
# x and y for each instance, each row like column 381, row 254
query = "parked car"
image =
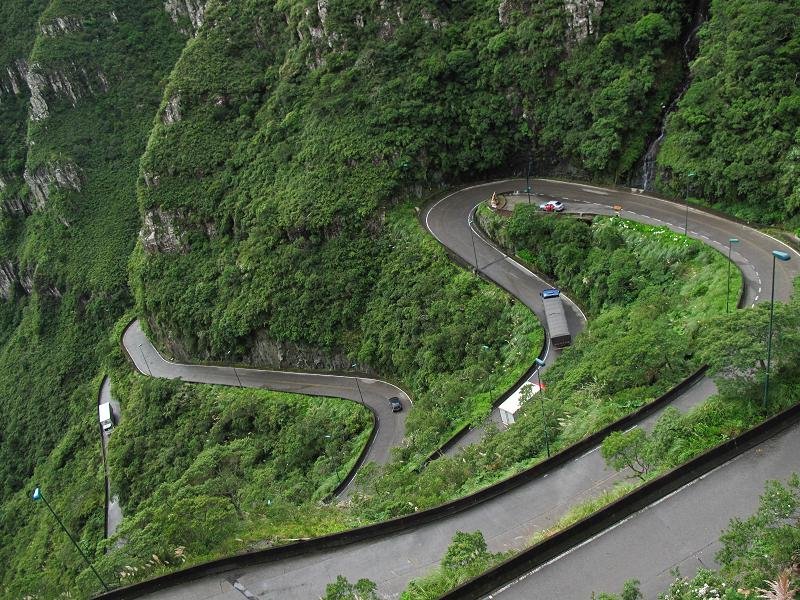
column 552, row 206
column 395, row 403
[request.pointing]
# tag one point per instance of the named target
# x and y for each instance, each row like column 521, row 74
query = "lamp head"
column 37, row 494
column 540, row 362
column 733, row 241
column 784, row 256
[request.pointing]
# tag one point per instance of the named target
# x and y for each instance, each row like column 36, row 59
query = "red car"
column 552, row 206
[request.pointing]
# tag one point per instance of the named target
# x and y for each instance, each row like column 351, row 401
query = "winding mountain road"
column 390, row 426
column 508, row 520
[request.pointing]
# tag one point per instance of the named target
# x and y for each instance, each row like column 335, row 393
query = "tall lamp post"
column 37, row 495
column 144, row 358
column 472, row 237
column 727, row 296
column 784, row 256
column 360, row 395
column 688, row 187
column 540, row 364
column 528, row 179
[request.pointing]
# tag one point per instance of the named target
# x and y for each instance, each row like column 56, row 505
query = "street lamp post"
column 540, row 364
column 528, row 179
column 727, row 296
column 360, row 395
column 686, row 220
column 784, row 256
column 37, row 495
column 144, row 358
column 472, row 237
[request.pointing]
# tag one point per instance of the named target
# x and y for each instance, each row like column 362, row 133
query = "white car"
column 552, row 206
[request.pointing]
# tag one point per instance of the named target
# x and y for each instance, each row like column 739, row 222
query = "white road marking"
column 612, row 528
column 710, row 215
column 595, row 191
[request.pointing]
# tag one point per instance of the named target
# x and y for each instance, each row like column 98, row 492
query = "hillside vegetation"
column 269, row 156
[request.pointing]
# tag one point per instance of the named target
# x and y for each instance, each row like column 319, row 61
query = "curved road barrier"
column 556, row 546
column 508, row 512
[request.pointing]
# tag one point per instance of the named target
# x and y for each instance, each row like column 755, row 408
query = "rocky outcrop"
column 12, row 204
column 68, row 81
column 8, row 279
column 181, row 11
column 160, row 232
column 172, row 112
column 48, row 176
column 11, row 280
column 13, row 78
column 581, row 17
column 267, row 353
column 165, row 231
column 262, row 352
column 61, row 25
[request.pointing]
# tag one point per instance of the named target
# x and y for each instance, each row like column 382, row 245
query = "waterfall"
column 648, row 171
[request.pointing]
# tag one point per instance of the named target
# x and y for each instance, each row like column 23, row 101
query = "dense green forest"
column 268, row 157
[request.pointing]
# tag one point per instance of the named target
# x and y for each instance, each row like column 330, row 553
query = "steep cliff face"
column 79, row 90
column 61, row 25
column 8, row 279
column 13, row 78
column 12, row 203
column 187, row 14
column 160, row 232
column 582, row 17
column 46, row 178
column 71, row 81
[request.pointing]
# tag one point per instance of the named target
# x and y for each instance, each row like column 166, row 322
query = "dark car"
column 395, row 403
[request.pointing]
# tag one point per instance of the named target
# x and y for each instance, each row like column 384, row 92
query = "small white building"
column 511, row 405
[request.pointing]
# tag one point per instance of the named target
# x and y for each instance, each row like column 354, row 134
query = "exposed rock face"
column 504, row 11
column 12, row 78
column 582, row 14
column 12, row 204
column 159, row 232
column 26, row 281
column 163, row 231
column 37, row 84
column 69, row 81
column 172, row 112
column 435, row 22
column 263, row 352
column 64, row 176
column 193, row 10
column 61, row 25
column 8, row 279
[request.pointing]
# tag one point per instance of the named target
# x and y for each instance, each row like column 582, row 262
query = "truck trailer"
column 106, row 417
column 556, row 319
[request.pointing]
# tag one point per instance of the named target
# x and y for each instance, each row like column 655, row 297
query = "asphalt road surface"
column 113, row 509
column 681, row 531
column 509, row 520
column 390, row 426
